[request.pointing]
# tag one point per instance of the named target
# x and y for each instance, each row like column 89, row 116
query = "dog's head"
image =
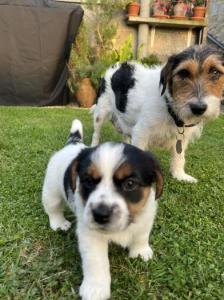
column 114, row 181
column 193, row 81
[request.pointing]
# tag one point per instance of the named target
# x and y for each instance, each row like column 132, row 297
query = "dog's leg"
column 177, row 165
column 140, row 240
column 53, row 206
column 139, row 137
column 96, row 268
column 140, row 247
column 101, row 113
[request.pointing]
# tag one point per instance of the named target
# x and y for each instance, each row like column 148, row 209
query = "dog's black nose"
column 102, row 213
column 198, row 109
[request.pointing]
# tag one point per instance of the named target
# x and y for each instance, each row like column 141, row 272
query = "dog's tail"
column 76, row 133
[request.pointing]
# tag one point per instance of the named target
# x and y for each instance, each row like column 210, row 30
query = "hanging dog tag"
column 179, row 146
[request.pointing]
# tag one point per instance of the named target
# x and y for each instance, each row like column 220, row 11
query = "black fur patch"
column 68, row 182
column 87, row 183
column 144, row 167
column 101, row 89
column 74, row 138
column 122, row 81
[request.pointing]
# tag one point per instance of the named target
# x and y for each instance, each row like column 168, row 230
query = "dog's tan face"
column 195, row 80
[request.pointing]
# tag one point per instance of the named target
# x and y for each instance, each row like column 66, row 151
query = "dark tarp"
column 35, row 43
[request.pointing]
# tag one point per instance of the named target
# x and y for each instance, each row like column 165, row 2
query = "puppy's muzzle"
column 103, row 213
column 198, row 108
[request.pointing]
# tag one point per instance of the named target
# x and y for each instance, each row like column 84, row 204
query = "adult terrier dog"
column 192, row 84
column 110, row 188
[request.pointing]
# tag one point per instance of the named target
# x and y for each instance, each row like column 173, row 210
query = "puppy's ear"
column 166, row 73
column 156, row 173
column 159, row 183
column 73, row 175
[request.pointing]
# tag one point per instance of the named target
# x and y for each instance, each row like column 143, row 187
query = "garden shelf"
column 173, row 23
column 154, row 23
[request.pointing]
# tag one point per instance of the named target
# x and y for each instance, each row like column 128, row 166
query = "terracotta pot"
column 158, row 12
column 85, row 94
column 199, row 11
column 179, row 10
column 133, row 9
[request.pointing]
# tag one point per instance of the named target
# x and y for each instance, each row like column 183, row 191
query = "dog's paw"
column 145, row 253
column 60, row 224
column 94, row 291
column 185, row 177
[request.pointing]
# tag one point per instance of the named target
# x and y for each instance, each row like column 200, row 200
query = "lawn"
column 187, row 239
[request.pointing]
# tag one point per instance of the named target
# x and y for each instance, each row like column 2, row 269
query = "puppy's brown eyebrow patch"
column 123, row 171
column 93, row 171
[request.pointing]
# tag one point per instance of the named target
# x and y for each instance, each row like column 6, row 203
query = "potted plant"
column 91, row 56
column 81, row 84
column 160, row 8
column 133, row 8
column 199, row 9
column 180, row 9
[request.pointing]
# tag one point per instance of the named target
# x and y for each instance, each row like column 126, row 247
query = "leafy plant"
column 199, row 2
column 91, row 59
column 151, row 60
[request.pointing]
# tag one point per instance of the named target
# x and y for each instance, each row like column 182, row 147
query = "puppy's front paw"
column 145, row 253
column 94, row 291
column 60, row 224
column 185, row 177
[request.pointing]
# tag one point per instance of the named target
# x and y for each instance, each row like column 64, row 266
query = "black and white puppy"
column 192, row 84
column 111, row 190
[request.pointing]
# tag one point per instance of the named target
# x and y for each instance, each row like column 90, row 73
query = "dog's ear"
column 73, row 175
column 166, row 73
column 155, row 172
column 159, row 183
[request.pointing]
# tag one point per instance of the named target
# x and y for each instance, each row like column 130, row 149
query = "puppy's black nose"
column 198, row 109
column 102, row 213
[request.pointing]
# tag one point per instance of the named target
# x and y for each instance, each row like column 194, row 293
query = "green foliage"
column 151, row 60
column 123, row 53
column 91, row 59
column 199, row 2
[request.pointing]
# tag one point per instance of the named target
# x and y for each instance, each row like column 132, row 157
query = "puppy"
column 111, row 190
column 191, row 90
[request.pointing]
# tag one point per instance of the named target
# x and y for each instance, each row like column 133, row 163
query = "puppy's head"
column 194, row 82
column 115, row 181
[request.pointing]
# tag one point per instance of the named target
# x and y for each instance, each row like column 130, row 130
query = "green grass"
column 188, row 236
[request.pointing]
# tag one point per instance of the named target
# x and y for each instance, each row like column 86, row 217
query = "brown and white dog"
column 192, row 84
column 111, row 190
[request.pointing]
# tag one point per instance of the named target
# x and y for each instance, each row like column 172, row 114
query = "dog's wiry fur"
column 112, row 188
column 191, row 82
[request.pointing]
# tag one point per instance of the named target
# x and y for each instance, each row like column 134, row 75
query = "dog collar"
column 179, row 122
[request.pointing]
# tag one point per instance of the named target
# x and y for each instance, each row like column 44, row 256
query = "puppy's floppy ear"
column 159, row 183
column 73, row 174
column 156, row 173
column 166, row 73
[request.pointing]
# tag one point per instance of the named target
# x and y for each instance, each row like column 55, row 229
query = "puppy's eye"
column 129, row 185
column 215, row 74
column 89, row 181
column 183, row 74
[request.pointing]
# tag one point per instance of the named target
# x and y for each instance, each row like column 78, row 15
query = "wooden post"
column 143, row 30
